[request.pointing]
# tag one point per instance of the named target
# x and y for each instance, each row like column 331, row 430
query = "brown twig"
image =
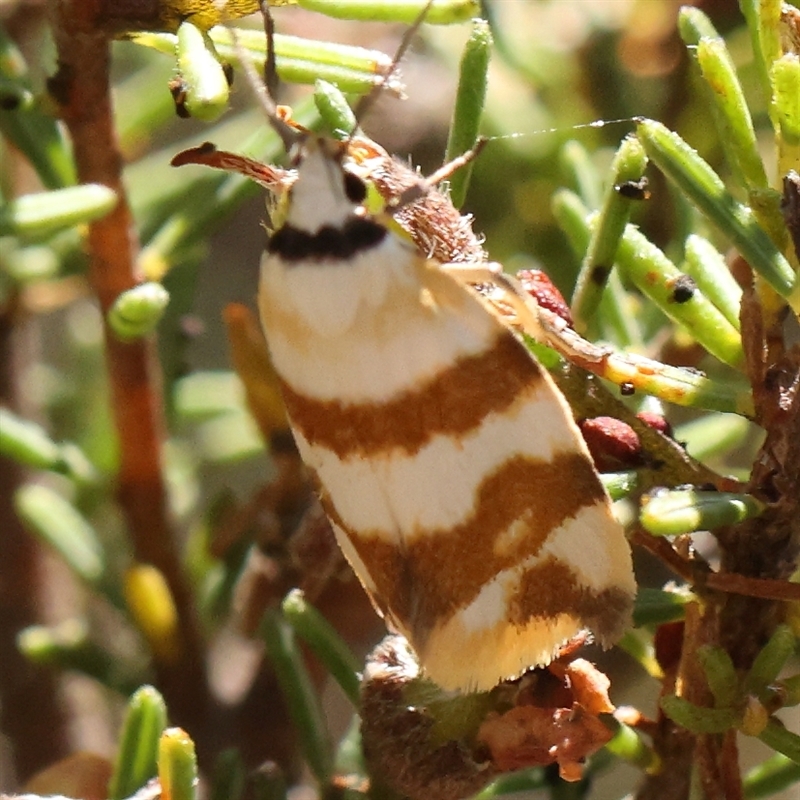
column 763, row 588
column 81, row 87
column 675, row 746
column 664, row 551
column 729, row 582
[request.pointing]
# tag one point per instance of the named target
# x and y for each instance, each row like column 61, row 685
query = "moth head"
column 326, row 193
column 335, row 154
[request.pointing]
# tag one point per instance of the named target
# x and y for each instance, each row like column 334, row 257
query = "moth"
column 455, row 479
column 448, row 463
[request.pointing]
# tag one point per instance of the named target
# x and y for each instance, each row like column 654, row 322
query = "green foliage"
column 137, row 759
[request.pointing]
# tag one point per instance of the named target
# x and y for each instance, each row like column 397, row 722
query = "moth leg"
column 506, row 297
column 518, row 308
column 422, row 186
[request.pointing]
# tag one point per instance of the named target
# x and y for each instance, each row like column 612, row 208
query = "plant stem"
column 82, row 88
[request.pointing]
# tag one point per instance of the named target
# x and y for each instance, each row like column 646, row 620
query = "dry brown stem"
column 741, row 602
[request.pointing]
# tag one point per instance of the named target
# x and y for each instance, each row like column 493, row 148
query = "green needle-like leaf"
column 670, row 513
column 43, row 214
column 298, row 691
column 571, row 214
column 629, row 165
column 137, row 312
column 762, row 23
column 63, row 527
column 628, row 745
column 706, row 266
column 202, row 85
column 771, row 659
column 786, row 78
column 28, row 444
column 353, row 69
column 682, row 165
column 778, row 738
column 697, row 719
column 441, row 12
column 136, row 761
column 660, row 280
column 177, row 765
column 334, row 110
column 229, row 776
column 728, row 107
column 694, row 25
column 468, row 109
column 785, row 75
column 736, row 128
column 69, row 646
column 770, row 777
column 720, row 674
column 327, row 645
column 712, row 435
column 33, row 132
column 619, row 484
column 657, row 606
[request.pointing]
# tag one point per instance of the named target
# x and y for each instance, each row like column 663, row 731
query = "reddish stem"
column 82, row 88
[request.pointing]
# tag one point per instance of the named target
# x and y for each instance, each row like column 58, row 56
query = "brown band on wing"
column 440, row 571
column 452, row 403
column 551, row 588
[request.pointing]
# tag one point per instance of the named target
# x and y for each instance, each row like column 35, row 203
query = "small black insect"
column 683, row 289
column 634, row 190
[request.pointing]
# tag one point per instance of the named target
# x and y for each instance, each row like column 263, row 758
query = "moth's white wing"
column 458, row 484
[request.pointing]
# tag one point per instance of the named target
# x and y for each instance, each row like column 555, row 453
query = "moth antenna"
column 419, row 189
column 271, row 79
column 368, row 100
column 262, row 93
